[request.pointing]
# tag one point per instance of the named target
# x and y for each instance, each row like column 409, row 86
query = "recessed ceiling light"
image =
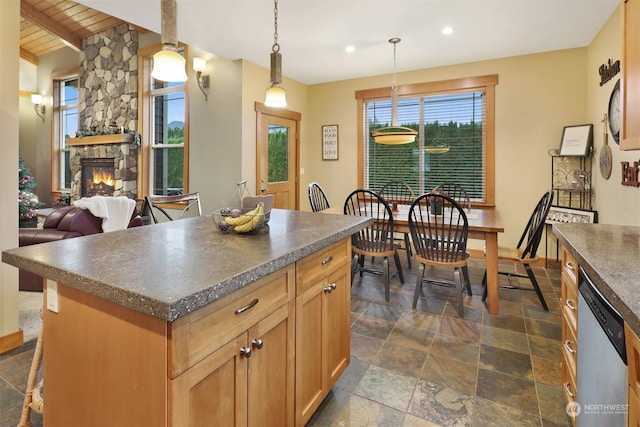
column 350, row 49
column 447, row 30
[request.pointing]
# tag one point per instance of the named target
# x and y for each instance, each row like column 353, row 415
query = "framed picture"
column 330, row 142
column 570, row 215
column 576, row 140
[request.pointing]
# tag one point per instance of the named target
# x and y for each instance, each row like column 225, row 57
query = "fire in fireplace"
column 97, row 177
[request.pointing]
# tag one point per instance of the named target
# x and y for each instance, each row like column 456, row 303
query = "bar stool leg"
column 33, row 394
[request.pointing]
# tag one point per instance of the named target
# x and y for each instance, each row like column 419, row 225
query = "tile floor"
column 424, row 367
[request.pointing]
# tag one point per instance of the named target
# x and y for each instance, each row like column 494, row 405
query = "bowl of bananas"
column 241, row 221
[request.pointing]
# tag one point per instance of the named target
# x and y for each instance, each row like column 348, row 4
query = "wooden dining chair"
column 525, row 253
column 317, row 197
column 401, row 193
column 456, row 192
column 440, row 241
column 376, row 240
column 173, row 207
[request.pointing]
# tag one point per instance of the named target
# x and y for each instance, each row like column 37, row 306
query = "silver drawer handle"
column 247, row 307
column 567, row 388
column 569, row 303
column 567, row 345
column 327, row 260
column 569, row 265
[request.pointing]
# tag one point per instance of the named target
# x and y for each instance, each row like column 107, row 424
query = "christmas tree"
column 27, row 201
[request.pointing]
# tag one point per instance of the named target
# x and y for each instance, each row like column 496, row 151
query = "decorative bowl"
column 240, row 221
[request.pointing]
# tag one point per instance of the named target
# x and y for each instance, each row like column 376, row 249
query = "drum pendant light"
column 394, row 134
column 276, row 96
column 168, row 64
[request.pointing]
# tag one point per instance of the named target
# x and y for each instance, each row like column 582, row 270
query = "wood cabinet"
column 569, row 295
column 322, row 326
column 267, row 354
column 632, row 343
column 630, row 80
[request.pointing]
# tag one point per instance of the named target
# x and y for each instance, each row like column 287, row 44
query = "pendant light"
column 394, row 134
column 168, row 64
column 276, row 96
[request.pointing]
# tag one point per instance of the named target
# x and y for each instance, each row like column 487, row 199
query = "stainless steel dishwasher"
column 602, row 360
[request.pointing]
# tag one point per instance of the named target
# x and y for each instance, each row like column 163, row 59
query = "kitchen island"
column 178, row 324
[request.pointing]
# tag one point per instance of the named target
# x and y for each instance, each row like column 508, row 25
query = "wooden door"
column 271, row 369
column 214, row 391
column 336, row 335
column 277, row 155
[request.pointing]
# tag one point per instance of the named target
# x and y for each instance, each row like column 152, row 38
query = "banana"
column 256, row 220
column 239, row 220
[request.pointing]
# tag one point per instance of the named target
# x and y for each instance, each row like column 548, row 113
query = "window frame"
column 481, row 83
column 57, row 140
column 145, row 129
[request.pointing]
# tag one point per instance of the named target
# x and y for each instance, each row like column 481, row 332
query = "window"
column 65, row 123
column 455, row 142
column 164, row 131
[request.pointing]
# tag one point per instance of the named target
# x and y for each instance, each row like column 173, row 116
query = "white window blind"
column 456, row 121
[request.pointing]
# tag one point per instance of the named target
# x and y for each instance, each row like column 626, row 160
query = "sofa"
column 63, row 223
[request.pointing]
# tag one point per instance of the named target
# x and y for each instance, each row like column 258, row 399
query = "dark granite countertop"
column 610, row 255
column 171, row 269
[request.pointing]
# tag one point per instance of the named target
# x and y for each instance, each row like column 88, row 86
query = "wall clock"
column 614, row 113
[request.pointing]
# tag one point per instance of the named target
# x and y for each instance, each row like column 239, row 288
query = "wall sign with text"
column 330, row 142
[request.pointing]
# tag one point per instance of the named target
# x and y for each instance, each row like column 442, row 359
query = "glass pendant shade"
column 169, row 66
column 394, row 135
column 276, row 97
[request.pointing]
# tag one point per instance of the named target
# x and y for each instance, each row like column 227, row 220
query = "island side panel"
column 103, row 364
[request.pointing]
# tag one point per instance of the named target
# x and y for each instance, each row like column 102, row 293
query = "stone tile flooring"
column 423, row 367
column 428, row 367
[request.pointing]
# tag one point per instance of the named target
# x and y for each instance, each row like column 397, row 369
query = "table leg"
column 492, row 271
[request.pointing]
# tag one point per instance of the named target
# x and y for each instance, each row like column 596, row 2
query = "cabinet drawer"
column 634, row 409
column 570, row 267
column 324, row 262
column 570, row 303
column 197, row 335
column 569, row 346
column 569, row 388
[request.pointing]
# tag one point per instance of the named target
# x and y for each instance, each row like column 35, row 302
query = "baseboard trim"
column 11, row 341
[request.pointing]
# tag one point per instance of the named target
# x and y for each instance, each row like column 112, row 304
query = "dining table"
column 484, row 224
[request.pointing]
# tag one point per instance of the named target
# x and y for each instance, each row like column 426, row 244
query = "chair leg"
column 407, row 246
column 396, row 257
column 387, row 279
column 467, row 281
column 459, row 290
column 416, row 293
column 361, row 264
column 484, row 286
column 534, row 282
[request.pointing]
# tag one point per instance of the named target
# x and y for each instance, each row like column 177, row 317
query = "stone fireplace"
column 91, row 155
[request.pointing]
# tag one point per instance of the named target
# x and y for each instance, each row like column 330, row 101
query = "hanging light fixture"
column 394, row 134
column 276, row 96
column 168, row 64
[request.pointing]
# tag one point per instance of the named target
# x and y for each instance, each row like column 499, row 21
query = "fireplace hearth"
column 98, row 177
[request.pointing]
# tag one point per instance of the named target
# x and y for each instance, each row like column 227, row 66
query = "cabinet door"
column 214, row 391
column 322, row 340
column 336, row 335
column 310, row 378
column 271, row 369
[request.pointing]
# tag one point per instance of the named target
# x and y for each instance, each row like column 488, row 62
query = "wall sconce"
column 199, row 66
column 36, row 100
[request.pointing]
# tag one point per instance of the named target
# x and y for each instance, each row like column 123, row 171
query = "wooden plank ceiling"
column 48, row 25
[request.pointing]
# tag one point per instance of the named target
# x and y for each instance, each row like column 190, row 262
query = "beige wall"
column 616, row 204
column 9, row 52
column 536, row 96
